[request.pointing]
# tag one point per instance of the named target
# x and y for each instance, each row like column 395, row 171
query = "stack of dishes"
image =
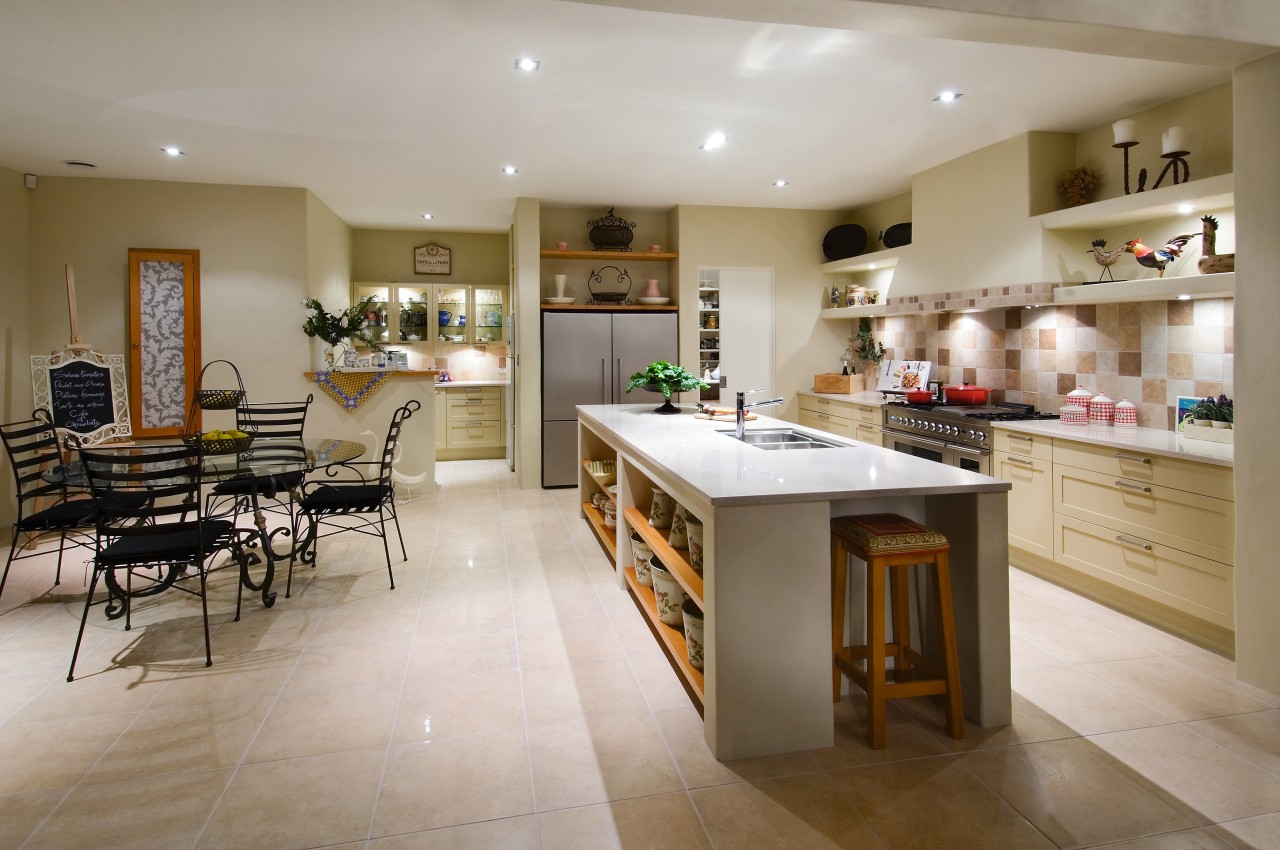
column 653, row 301
column 554, row 300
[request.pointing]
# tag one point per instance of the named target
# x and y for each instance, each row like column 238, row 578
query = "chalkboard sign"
column 85, row 391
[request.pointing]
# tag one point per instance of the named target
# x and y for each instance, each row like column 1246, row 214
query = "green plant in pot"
column 666, row 378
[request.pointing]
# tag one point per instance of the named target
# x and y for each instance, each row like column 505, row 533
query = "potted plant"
column 864, row 347
column 334, row 329
column 666, row 378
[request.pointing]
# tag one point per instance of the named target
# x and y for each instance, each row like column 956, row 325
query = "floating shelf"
column 1154, row 289
column 1209, row 193
column 869, row 310
column 639, row 256
column 886, row 259
column 630, row 308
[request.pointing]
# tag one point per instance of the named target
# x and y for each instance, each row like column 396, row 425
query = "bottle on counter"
column 835, row 296
column 845, row 370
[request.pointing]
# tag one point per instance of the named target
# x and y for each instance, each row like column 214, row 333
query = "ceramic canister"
column 668, row 593
column 693, row 632
column 1073, row 414
column 1102, row 410
column 678, row 538
column 662, row 508
column 693, row 530
column 640, row 555
column 1079, row 396
column 610, row 514
column 1126, row 414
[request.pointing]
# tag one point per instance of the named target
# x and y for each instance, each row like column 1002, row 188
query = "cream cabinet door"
column 1030, row 501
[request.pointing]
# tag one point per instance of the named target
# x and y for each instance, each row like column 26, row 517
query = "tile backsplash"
column 1149, row 352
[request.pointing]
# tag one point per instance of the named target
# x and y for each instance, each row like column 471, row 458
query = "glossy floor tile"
column 506, row 694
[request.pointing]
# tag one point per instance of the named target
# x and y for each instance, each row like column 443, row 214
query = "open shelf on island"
column 670, row 638
column 607, row 536
column 675, row 560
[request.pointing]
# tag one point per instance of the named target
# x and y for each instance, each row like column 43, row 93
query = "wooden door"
column 164, row 340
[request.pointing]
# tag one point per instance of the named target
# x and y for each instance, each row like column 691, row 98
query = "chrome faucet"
column 740, row 411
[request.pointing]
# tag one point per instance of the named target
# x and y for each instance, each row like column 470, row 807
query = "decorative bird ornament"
column 1106, row 258
column 1211, row 262
column 1158, row 258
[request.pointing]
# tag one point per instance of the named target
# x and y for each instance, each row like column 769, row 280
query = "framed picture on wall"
column 431, row 259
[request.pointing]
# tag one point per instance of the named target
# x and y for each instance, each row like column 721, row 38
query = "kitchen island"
column 765, row 586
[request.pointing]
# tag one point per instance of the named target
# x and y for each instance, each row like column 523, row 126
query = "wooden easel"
column 76, row 343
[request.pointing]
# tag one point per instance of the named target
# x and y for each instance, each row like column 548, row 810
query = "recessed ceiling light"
column 948, row 96
column 526, row 63
column 780, row 183
column 172, row 151
column 1186, row 209
column 872, row 267
column 427, row 215
column 1184, row 297
column 509, row 169
column 715, row 140
column 79, row 163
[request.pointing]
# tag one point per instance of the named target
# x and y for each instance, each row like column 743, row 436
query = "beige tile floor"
column 507, row 695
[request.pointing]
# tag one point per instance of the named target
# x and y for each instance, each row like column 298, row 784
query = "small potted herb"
column 666, row 378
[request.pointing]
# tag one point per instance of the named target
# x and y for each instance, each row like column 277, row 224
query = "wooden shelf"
column 1209, row 193
column 639, row 256
column 1153, row 289
column 607, row 536
column 886, row 259
column 611, row 308
column 670, row 638
column 675, row 560
column 870, row 310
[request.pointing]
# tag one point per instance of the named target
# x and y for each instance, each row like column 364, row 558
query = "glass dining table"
column 264, row 463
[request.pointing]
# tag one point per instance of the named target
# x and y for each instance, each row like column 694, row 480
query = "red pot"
column 919, row 396
column 965, row 394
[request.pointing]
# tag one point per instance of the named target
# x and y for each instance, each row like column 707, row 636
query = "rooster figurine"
column 1158, row 258
column 1106, row 258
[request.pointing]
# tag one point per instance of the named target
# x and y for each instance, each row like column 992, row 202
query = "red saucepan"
column 919, row 396
column 965, row 394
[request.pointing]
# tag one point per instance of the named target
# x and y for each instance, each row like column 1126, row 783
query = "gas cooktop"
column 1005, row 411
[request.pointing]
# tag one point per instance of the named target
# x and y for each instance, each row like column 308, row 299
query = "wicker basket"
column 231, row 446
column 219, row 399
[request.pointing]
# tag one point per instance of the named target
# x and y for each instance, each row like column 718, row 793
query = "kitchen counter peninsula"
column 765, row 586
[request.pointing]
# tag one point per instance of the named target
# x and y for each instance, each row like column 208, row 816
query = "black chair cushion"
column 59, row 516
column 267, row 485
column 165, row 547
column 339, row 498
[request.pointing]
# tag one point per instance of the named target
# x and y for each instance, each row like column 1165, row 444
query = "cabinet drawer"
column 827, row 422
column 466, row 409
column 1188, row 475
column 1200, row 587
column 1027, row 445
column 473, row 434
column 867, row 433
column 1188, row 521
column 831, row 406
column 1030, row 501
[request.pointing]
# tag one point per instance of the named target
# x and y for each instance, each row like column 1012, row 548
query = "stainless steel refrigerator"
column 587, row 358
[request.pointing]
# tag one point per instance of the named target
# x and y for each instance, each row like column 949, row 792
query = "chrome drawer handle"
column 475, row 424
column 824, row 416
column 1021, row 437
column 1131, row 486
column 1134, row 458
column 1134, row 542
column 1021, row 460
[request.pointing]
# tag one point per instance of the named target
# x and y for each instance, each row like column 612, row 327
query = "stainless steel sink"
column 782, row 439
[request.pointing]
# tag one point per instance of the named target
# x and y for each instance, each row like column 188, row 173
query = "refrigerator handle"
column 604, row 382
column 617, row 381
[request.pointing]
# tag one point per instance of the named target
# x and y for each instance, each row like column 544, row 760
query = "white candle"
column 1175, row 140
column 1126, row 131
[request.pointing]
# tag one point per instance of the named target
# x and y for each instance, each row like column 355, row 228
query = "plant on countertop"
column 864, row 347
column 333, row 328
column 1220, row 409
column 666, row 378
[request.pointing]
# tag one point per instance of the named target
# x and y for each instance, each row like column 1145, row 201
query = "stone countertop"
column 492, row 383
column 1150, row 440
column 724, row 471
column 870, row 397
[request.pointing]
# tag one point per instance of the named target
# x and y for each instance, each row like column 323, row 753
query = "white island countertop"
column 724, row 471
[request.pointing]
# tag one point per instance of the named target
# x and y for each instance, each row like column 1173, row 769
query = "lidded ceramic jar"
column 1073, row 414
column 1102, row 410
column 1079, row 396
column 1126, row 414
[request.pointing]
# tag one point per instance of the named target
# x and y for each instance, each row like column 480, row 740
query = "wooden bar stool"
column 893, row 542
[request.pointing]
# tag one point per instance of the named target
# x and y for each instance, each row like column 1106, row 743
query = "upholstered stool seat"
column 893, row 543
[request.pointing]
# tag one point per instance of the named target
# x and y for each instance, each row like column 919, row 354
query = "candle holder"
column 1125, row 147
column 1178, row 164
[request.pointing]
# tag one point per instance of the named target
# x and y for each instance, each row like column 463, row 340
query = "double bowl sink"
column 784, row 439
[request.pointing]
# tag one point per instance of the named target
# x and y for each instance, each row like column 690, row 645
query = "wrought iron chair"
column 150, row 528
column 336, row 506
column 32, row 446
column 277, row 429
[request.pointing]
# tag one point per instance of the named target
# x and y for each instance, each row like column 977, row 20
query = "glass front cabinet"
column 435, row 315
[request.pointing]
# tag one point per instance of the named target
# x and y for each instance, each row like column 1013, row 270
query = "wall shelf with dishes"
column 428, row 315
column 637, row 256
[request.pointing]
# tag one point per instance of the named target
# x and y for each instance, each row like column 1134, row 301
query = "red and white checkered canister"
column 1072, row 414
column 1079, row 396
column 1126, row 414
column 1102, row 410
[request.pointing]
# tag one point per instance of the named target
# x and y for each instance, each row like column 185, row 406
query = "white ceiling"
column 389, row 108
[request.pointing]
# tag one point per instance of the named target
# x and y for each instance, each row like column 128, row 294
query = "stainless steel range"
column 952, row 434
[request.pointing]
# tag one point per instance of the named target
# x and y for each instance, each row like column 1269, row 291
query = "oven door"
column 971, row 458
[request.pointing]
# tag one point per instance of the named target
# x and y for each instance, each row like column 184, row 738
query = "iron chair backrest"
column 32, row 445
column 273, row 420
column 140, row 491
column 393, row 437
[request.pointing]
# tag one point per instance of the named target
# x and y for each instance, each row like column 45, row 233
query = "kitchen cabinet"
column 410, row 314
column 1026, row 462
column 709, row 332
column 473, row 423
column 838, row 416
column 441, row 431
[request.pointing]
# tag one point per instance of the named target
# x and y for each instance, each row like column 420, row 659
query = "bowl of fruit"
column 220, row 442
